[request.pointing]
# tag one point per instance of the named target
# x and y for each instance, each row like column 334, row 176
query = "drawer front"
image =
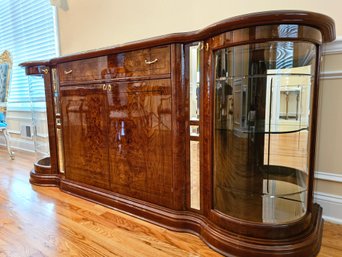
column 82, row 70
column 146, row 62
column 140, row 63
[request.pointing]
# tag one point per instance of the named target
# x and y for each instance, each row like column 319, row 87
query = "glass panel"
column 194, row 82
column 194, row 116
column 194, row 130
column 194, row 175
column 261, row 130
column 40, row 133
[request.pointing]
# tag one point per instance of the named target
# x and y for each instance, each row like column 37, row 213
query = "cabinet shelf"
column 262, row 76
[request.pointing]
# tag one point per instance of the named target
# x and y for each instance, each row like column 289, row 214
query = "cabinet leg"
column 7, row 139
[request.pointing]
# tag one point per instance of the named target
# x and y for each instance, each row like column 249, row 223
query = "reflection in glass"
column 194, row 82
column 56, row 92
column 194, row 130
column 261, row 129
column 194, row 117
column 40, row 134
column 194, row 175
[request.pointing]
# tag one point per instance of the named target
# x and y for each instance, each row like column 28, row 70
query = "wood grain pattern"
column 37, row 221
column 85, row 135
column 40, row 221
column 140, row 141
column 120, row 65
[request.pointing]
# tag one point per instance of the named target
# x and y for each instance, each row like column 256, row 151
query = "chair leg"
column 7, row 139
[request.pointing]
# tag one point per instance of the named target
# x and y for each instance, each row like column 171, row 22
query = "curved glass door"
column 261, row 130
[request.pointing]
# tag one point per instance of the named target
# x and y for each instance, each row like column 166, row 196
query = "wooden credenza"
column 118, row 134
column 120, row 131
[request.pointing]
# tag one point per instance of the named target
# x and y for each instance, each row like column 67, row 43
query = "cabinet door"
column 141, row 140
column 85, row 136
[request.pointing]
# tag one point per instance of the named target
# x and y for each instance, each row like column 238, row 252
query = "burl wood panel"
column 120, row 65
column 140, row 142
column 85, row 134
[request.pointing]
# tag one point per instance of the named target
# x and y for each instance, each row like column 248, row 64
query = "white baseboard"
column 331, row 75
column 328, row 176
column 332, row 206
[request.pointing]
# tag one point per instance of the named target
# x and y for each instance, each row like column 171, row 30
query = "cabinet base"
column 227, row 243
column 43, row 179
column 42, row 174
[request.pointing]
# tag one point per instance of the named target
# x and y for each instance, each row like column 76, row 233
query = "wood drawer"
column 140, row 63
column 82, row 70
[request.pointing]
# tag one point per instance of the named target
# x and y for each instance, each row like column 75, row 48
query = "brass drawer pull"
column 104, row 87
column 150, row 62
column 109, row 87
column 67, row 72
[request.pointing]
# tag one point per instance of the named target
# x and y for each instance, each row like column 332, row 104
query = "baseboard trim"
column 331, row 75
column 332, row 206
column 328, row 176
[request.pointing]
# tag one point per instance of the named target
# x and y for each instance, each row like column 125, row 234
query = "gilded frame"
column 5, row 57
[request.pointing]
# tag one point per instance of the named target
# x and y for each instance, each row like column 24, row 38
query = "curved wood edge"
column 227, row 243
column 41, row 169
column 44, row 179
column 320, row 21
column 35, row 68
column 35, row 63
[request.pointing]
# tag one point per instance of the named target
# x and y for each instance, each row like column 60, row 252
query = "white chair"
column 5, row 76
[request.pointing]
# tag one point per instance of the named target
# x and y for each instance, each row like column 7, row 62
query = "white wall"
column 89, row 24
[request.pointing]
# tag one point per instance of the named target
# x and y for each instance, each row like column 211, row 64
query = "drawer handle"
column 104, row 87
column 150, row 62
column 109, row 87
column 67, row 72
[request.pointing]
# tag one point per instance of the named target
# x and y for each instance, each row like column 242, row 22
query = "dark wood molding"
column 40, row 179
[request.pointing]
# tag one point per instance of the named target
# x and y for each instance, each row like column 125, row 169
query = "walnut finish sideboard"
column 210, row 132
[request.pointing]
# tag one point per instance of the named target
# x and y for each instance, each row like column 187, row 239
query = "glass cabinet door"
column 262, row 100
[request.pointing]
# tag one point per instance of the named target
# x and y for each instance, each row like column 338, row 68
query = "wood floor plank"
column 43, row 221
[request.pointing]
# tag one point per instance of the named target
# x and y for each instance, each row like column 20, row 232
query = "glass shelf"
column 262, row 131
column 248, row 76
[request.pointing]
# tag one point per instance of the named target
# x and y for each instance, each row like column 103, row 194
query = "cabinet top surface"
column 323, row 23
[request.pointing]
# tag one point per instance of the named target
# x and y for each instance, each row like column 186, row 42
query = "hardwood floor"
column 40, row 221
